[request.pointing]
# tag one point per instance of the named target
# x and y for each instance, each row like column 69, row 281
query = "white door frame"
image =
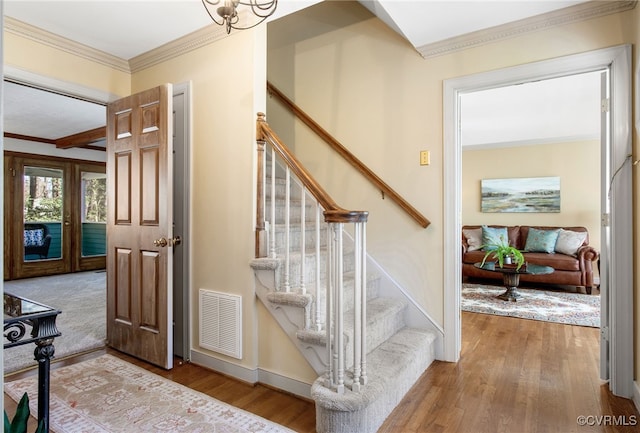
column 184, row 89
column 618, row 61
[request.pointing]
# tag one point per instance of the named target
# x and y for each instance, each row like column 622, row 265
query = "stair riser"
column 295, row 235
column 310, row 268
column 281, row 190
column 295, row 213
column 379, row 329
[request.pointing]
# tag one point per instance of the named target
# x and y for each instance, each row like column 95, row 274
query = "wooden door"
column 38, row 210
column 139, row 226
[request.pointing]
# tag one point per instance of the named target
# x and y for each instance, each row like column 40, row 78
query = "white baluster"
column 287, row 223
column 303, row 252
column 357, row 310
column 329, row 291
column 338, row 315
column 320, row 296
column 273, row 203
column 363, row 315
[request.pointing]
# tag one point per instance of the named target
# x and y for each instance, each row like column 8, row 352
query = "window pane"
column 43, row 209
column 94, row 214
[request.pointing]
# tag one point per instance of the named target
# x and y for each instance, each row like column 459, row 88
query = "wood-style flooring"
column 514, row 375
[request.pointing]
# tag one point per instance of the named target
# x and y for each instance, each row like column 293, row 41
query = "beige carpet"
column 82, row 298
column 107, row 394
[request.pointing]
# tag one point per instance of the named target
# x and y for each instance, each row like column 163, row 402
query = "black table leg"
column 43, row 354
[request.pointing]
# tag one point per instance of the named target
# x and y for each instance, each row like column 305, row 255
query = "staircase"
column 374, row 360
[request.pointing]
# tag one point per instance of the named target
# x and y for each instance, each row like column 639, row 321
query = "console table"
column 20, row 316
column 511, row 276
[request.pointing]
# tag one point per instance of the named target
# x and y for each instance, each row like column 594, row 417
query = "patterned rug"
column 107, row 394
column 548, row 306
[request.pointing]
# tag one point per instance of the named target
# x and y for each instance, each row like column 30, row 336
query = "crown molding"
column 190, row 42
column 36, row 34
column 571, row 14
column 172, row 49
column 198, row 39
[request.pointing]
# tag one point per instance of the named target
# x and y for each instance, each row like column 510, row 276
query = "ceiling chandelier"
column 226, row 12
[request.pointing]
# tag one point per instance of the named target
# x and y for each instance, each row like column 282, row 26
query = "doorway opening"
column 44, row 87
column 616, row 276
column 531, row 158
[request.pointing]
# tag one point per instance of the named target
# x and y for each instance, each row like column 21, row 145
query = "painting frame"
column 520, row 195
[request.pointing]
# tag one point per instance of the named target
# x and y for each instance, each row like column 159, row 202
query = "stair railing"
column 385, row 189
column 274, row 157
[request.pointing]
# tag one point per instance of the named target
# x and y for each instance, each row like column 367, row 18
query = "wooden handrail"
column 344, row 152
column 332, row 212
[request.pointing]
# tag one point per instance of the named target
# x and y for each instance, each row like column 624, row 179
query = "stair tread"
column 385, row 365
column 376, row 308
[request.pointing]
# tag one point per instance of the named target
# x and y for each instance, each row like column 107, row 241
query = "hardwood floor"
column 515, row 376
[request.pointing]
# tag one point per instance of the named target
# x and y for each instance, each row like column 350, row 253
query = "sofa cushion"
column 569, row 241
column 474, row 238
column 559, row 262
column 512, row 231
column 541, row 241
column 493, row 236
column 474, row 257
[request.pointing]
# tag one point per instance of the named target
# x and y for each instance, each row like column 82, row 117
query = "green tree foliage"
column 42, row 199
column 95, row 200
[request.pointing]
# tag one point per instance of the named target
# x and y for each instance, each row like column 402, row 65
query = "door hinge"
column 12, row 171
column 605, row 220
column 604, row 333
column 605, row 105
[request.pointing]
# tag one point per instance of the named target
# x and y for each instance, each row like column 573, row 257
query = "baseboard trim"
column 252, row 376
column 224, row 367
column 292, row 386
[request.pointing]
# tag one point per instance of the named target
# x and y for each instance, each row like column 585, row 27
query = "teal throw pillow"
column 541, row 241
column 494, row 236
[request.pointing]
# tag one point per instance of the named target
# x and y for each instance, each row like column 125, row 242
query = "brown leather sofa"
column 568, row 270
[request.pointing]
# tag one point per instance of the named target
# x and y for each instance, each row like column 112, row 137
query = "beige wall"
column 41, row 59
column 374, row 93
column 577, row 164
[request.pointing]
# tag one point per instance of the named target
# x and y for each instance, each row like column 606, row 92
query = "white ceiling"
column 550, row 111
column 37, row 113
column 109, row 25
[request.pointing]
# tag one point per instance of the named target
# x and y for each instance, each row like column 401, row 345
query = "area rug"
column 81, row 297
column 550, row 306
column 107, row 394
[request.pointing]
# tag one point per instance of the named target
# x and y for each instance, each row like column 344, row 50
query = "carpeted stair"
column 397, row 355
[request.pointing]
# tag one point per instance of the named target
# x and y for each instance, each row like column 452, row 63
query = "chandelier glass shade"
column 225, row 12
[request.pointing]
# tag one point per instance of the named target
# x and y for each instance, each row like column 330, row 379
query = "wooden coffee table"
column 511, row 277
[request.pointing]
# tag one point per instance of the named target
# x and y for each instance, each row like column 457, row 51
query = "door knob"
column 163, row 242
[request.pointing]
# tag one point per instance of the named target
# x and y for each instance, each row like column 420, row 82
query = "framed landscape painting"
column 524, row 194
